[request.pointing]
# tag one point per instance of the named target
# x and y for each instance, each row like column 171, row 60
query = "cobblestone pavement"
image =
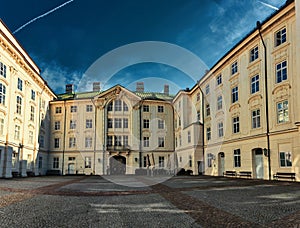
column 185, row 201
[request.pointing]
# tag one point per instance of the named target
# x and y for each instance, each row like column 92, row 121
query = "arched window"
column 110, row 106
column 125, row 107
column 2, row 93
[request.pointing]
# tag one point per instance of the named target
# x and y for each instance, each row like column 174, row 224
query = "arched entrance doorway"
column 221, row 163
column 71, row 168
column 117, row 165
column 258, row 163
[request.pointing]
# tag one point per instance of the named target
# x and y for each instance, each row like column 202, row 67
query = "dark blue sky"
column 65, row 43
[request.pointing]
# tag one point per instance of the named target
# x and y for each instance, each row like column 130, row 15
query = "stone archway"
column 117, row 165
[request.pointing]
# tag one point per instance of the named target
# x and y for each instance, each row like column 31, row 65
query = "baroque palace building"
column 241, row 116
column 24, row 111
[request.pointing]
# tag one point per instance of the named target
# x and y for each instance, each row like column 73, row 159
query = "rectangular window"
column 2, row 70
column 88, row 142
column 87, row 162
column 161, row 142
column 125, row 123
column 207, row 107
column 118, row 140
column 145, row 108
column 55, row 163
column 207, row 89
column 109, row 122
column 89, row 123
column 1, row 126
column 234, row 68
column 125, row 140
column 190, row 161
column 89, row 108
column 280, row 36
column 198, row 116
column 237, row 158
column 42, row 141
column 198, row 96
column 189, row 138
column 285, row 159
column 146, row 141
column 20, row 84
column 57, row 125
column 118, row 105
column 72, row 142
column 161, row 124
column 210, row 158
column 40, row 162
column 58, row 110
column 72, row 124
column 73, row 108
column 236, row 124
column 219, row 79
column 30, row 137
column 254, row 54
column 33, row 95
column 17, row 132
column 71, row 158
column 56, row 142
column 283, row 112
column 161, row 162
column 118, row 123
column 255, row 84
column 109, row 140
column 281, row 72
column 220, row 129
column 2, row 93
column 160, row 108
column 256, row 118
column 32, row 113
column 19, row 105
column 219, row 102
column 208, row 133
column 235, row 94
column 146, row 123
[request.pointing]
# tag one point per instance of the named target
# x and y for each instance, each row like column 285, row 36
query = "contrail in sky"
column 43, row 15
column 268, row 5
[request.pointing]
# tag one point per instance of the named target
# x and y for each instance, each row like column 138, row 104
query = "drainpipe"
column 64, row 141
column 258, row 25
column 95, row 135
column 203, row 137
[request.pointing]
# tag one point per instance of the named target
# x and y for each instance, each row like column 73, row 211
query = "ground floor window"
column 161, row 161
column 210, row 157
column 40, row 162
column 55, row 163
column 285, row 159
column 88, row 162
column 237, row 158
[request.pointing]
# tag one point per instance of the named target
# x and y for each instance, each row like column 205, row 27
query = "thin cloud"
column 269, row 5
column 41, row 16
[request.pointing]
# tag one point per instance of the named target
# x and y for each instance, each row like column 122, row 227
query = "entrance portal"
column 117, row 165
column 71, row 168
column 258, row 163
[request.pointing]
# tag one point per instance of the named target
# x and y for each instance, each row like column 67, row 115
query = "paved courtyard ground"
column 136, row 201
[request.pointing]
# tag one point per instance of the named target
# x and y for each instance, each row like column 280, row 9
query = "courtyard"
column 144, row 201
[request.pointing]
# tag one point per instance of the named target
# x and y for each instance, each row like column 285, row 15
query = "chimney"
column 140, row 87
column 166, row 89
column 69, row 88
column 96, row 86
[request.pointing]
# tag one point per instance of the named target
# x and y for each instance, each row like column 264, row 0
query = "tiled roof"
column 154, row 96
column 77, row 95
